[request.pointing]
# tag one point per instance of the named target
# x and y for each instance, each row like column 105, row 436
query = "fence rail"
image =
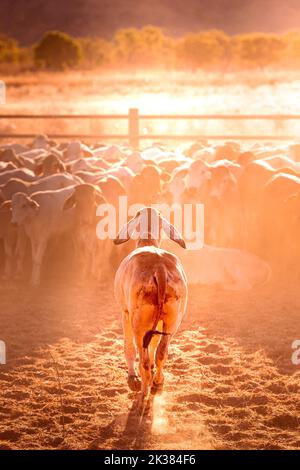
column 134, row 135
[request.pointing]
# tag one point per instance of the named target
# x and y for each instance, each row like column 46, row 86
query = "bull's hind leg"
column 160, row 360
column 154, row 344
column 145, row 370
column 130, row 353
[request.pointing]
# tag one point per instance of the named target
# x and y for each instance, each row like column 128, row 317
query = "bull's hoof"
column 134, row 383
column 157, row 388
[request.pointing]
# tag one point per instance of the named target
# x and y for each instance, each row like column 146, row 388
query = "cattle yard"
column 134, row 118
column 232, row 378
column 230, row 381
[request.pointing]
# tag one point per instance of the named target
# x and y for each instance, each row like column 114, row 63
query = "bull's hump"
column 152, row 253
column 148, row 250
column 148, row 263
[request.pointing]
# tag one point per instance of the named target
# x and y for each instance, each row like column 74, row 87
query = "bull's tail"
column 160, row 279
column 149, row 335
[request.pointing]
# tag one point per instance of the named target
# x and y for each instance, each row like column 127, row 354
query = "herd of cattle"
column 49, row 193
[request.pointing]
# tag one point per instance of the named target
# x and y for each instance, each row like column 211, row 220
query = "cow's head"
column 85, row 199
column 50, row 165
column 198, row 174
column 111, row 187
column 221, row 181
column 23, row 208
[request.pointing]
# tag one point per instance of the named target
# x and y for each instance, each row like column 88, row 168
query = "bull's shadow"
column 131, row 430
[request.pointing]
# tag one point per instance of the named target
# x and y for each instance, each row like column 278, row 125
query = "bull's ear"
column 19, row 161
column 39, row 169
column 127, row 231
column 172, row 232
column 5, row 206
column 70, row 202
column 33, row 204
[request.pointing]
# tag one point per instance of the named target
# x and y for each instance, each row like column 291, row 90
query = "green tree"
column 95, row 51
column 155, row 46
column 258, row 49
column 9, row 50
column 203, row 49
column 57, row 51
column 292, row 49
column 127, row 45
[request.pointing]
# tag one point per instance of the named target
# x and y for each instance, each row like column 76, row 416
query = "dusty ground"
column 229, row 383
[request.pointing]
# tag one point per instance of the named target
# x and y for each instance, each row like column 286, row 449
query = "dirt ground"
column 230, row 383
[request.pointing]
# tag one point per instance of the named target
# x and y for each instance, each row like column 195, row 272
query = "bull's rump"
column 154, row 280
column 151, row 309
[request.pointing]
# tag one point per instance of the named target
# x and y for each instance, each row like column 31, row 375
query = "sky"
column 27, row 20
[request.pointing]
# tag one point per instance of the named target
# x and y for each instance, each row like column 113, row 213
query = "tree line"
column 151, row 47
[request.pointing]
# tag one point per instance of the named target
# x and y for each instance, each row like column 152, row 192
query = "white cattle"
column 75, row 150
column 197, row 174
column 41, row 217
column 84, row 200
column 280, row 162
column 41, row 142
column 21, row 173
column 4, row 166
column 17, row 148
column 157, row 155
column 87, row 164
column 135, row 162
column 122, row 173
column 8, row 233
column 52, row 182
column 228, row 268
column 32, row 154
column 89, row 176
column 109, row 152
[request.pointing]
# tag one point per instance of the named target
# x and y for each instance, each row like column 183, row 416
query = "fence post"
column 133, row 127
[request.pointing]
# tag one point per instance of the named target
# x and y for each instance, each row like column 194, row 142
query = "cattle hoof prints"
column 226, row 385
